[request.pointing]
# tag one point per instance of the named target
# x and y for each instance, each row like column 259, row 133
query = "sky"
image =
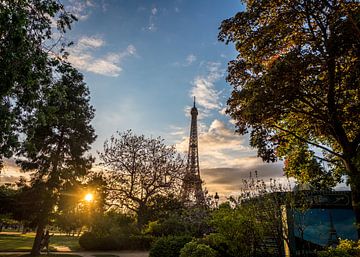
column 144, row 61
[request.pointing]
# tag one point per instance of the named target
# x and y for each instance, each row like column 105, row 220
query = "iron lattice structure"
column 192, row 185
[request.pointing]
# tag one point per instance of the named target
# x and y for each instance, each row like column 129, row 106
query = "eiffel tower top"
column 194, row 110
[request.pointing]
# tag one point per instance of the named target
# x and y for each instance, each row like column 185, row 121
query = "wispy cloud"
column 229, row 181
column 80, row 8
column 204, row 87
column 82, row 56
column 218, row 146
column 190, row 59
column 152, row 18
column 104, row 5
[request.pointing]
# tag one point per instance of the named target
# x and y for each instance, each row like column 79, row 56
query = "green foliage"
column 188, row 221
column 7, row 199
column 88, row 241
column 113, row 224
column 194, row 249
column 91, row 241
column 115, row 231
column 346, row 248
column 302, row 164
column 171, row 226
column 25, row 62
column 168, row 246
column 239, row 230
column 58, row 136
column 166, row 206
column 217, row 242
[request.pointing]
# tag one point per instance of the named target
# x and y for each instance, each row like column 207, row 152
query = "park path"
column 92, row 254
column 114, row 253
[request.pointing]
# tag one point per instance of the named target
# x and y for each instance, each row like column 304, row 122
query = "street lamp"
column 216, row 198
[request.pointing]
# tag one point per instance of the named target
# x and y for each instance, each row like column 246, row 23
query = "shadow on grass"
column 24, row 242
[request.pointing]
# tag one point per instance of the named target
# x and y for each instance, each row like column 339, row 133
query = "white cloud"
column 82, row 56
column 218, row 146
column 204, row 89
column 80, row 8
column 90, row 42
column 190, row 59
column 105, row 67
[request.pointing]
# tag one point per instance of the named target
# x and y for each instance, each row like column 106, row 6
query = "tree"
column 27, row 50
column 141, row 169
column 58, row 135
column 296, row 84
column 239, row 230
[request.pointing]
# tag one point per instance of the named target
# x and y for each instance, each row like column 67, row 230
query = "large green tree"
column 58, row 136
column 27, row 52
column 296, row 84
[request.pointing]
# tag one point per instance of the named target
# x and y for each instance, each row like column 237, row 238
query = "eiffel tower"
column 192, row 192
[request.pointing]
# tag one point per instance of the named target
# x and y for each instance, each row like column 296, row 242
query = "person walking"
column 45, row 241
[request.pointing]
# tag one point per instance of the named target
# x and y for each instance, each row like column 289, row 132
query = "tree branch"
column 308, row 141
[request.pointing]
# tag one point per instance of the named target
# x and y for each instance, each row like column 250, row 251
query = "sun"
column 89, row 197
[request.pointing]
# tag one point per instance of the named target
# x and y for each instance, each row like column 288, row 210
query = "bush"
column 217, row 242
column 89, row 241
column 194, row 249
column 169, row 246
column 173, row 226
column 346, row 248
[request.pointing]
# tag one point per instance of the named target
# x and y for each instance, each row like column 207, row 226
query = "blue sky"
column 144, row 60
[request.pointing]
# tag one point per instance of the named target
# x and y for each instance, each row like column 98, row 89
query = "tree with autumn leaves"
column 296, row 86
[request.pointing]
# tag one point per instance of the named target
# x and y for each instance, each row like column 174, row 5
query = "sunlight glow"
column 89, row 197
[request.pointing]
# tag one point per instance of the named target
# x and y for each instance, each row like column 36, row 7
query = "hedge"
column 89, row 241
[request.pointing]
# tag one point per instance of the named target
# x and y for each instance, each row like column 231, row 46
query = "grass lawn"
column 23, row 242
column 43, row 255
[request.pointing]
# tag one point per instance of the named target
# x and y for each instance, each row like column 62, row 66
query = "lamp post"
column 216, row 198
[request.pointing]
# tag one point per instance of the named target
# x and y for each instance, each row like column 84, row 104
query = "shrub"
column 89, row 241
column 174, row 226
column 346, row 248
column 139, row 242
column 168, row 246
column 194, row 249
column 217, row 242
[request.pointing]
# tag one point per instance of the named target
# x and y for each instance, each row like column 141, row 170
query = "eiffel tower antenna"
column 192, row 185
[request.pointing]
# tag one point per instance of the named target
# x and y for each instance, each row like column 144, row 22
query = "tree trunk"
column 355, row 199
column 142, row 215
column 35, row 251
column 354, row 175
